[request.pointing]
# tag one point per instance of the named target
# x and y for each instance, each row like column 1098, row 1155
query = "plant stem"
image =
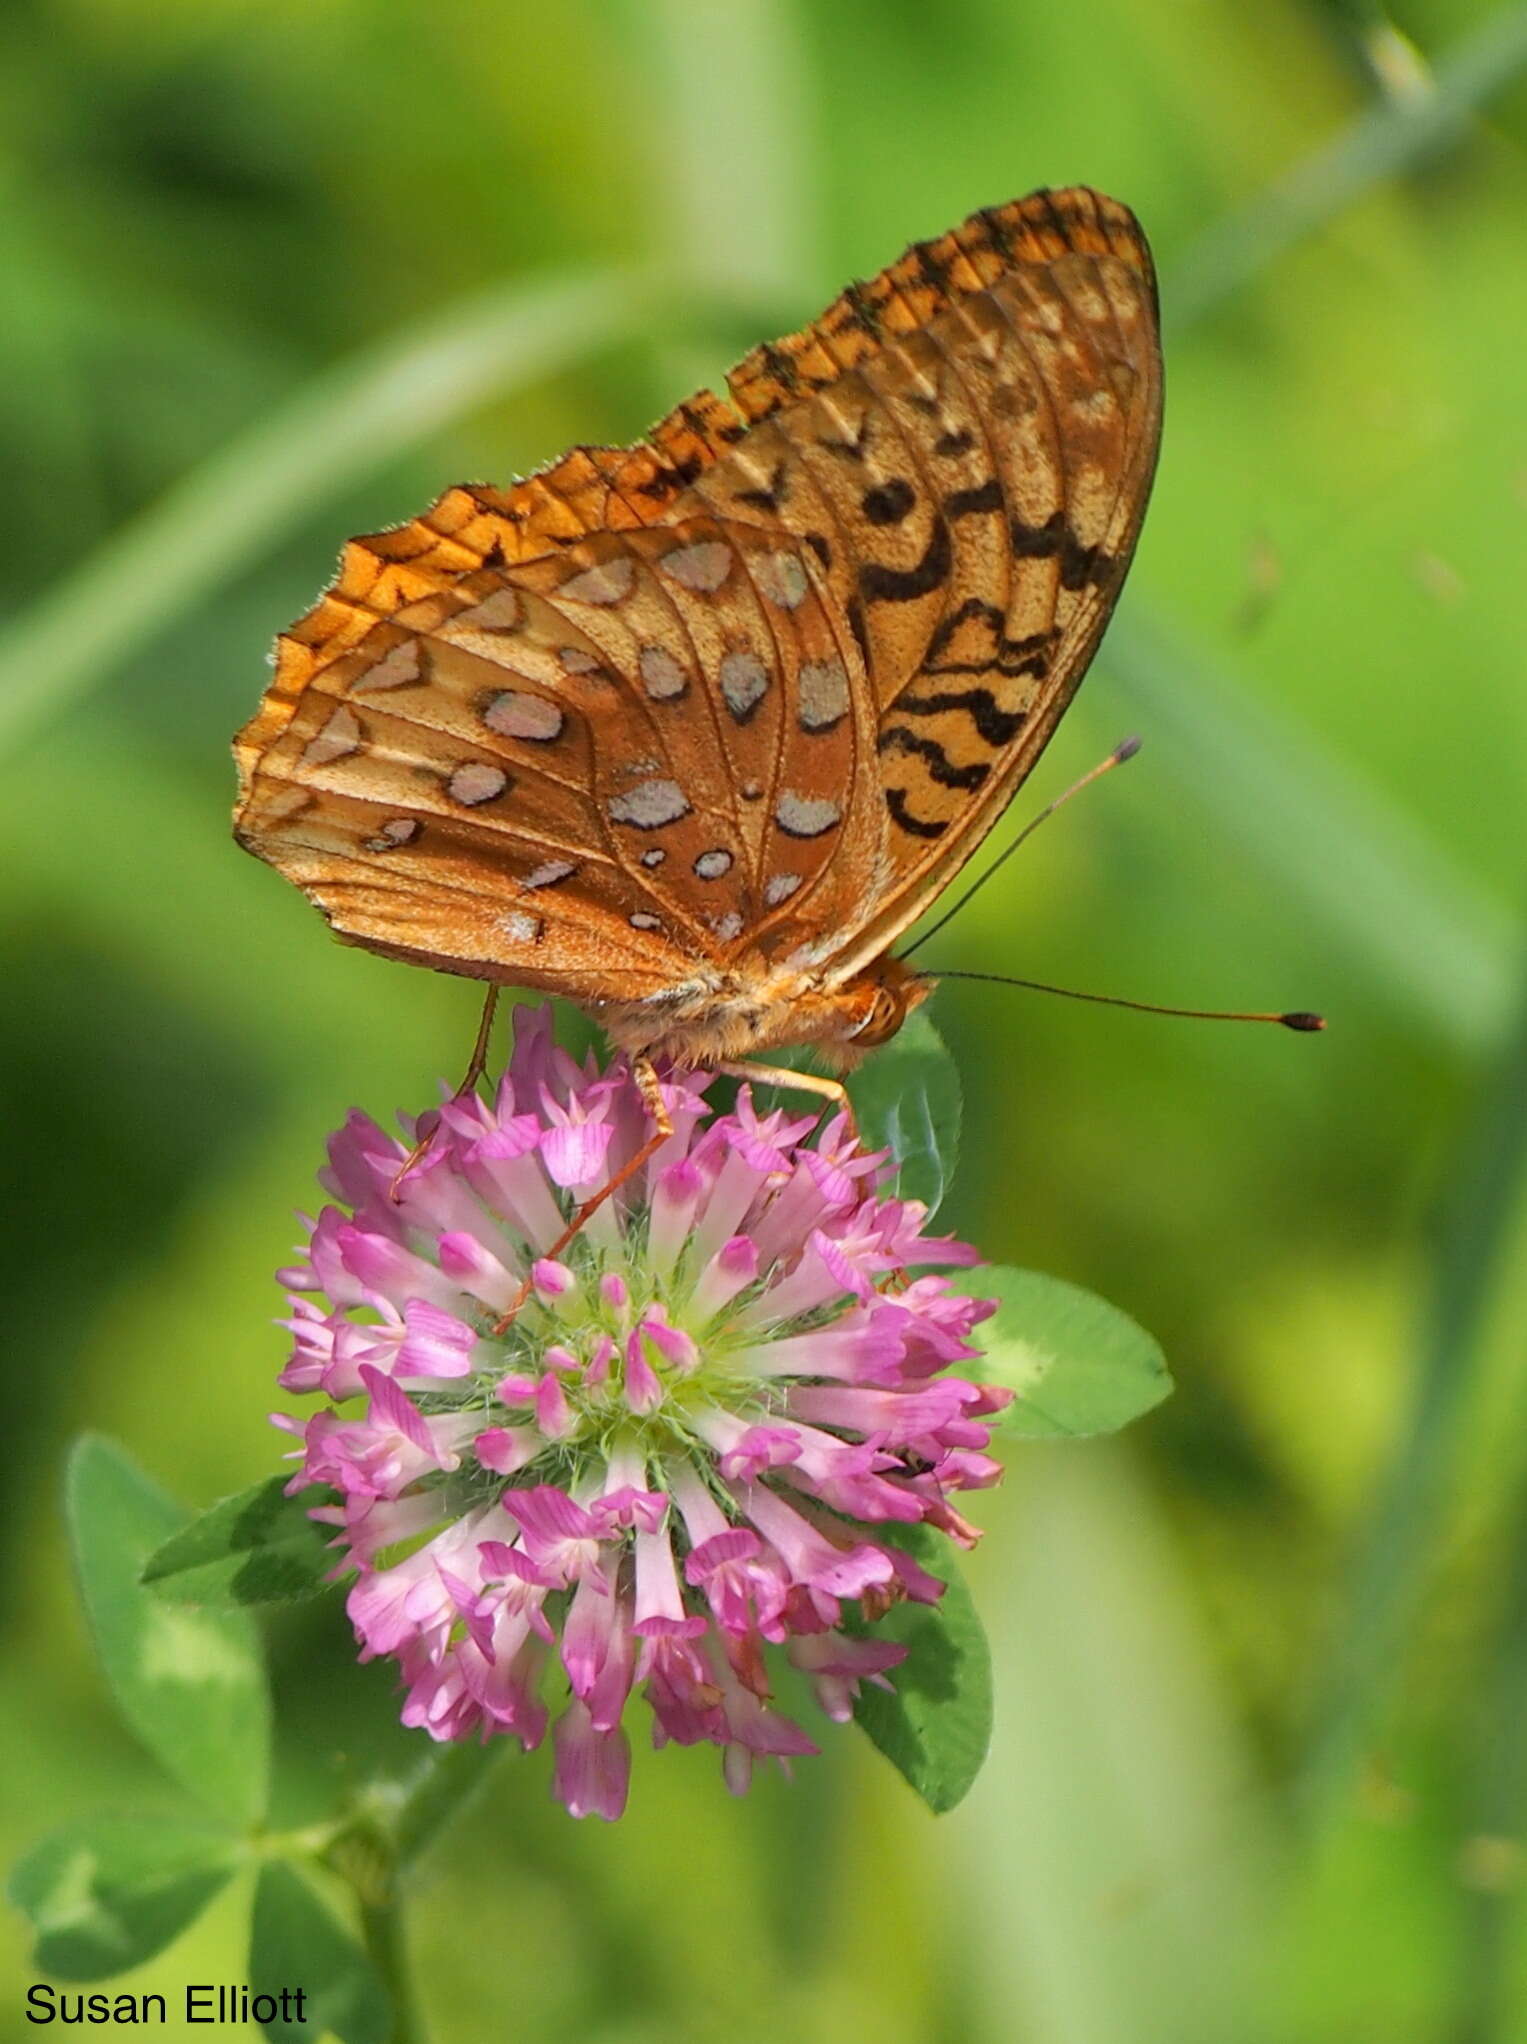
column 390, row 1826
column 446, row 1779
column 382, row 1935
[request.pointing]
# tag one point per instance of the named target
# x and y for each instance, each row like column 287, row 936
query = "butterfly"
column 691, row 731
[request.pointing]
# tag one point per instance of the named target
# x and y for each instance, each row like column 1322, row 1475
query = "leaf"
column 936, row 1727
column 108, row 1893
column 258, row 1547
column 1078, row 1365
column 190, row 1683
column 907, row 1099
column 296, row 1942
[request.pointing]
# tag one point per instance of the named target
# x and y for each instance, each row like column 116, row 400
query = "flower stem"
column 446, row 1779
column 373, row 1848
column 382, row 1935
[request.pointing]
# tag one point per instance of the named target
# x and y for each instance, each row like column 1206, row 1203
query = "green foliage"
column 1076, row 1364
column 258, row 1547
column 295, row 1938
column 108, row 1893
column 266, row 271
column 907, row 1099
column 934, row 1726
column 190, row 1683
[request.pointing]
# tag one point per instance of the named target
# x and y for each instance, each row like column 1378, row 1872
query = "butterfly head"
column 879, row 1000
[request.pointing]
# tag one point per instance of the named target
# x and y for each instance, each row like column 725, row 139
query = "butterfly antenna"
column 1299, row 1019
column 1125, row 749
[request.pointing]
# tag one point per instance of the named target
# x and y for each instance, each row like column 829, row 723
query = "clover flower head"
column 674, row 1458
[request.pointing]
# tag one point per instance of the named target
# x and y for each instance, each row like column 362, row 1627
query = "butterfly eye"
column 878, row 1011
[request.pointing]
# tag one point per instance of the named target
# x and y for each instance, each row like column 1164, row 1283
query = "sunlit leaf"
column 109, row 1893
column 1077, row 1364
column 935, row 1727
column 190, row 1683
column 258, row 1547
column 295, row 1941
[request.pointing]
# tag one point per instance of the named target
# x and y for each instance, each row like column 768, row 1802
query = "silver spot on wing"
column 663, row 676
column 823, row 694
column 340, row 736
column 781, row 578
column 649, row 805
column 397, row 830
column 703, row 567
column 475, row 782
column 396, row 669
column 806, row 815
column 744, row 683
column 515, row 714
column 605, row 583
column 550, row 872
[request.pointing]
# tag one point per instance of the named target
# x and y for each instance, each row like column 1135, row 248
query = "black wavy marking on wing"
column 897, row 738
column 998, row 727
column 1029, row 656
column 916, row 826
column 1079, row 565
column 978, row 499
column 903, row 585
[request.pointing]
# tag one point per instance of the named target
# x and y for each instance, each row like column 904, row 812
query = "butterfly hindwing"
column 585, row 756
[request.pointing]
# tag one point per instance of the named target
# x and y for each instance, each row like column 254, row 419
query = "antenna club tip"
column 1126, row 749
column 1303, row 1021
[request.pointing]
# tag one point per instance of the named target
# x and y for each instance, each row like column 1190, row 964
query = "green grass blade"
column 737, row 198
column 1486, row 1975
column 1391, row 137
column 345, row 423
column 1402, row 1534
column 1384, row 891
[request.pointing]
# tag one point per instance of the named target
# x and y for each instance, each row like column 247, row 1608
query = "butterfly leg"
column 468, row 1084
column 797, row 1082
column 662, row 1128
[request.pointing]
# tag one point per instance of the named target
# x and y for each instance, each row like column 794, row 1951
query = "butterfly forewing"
column 981, row 480
column 751, row 691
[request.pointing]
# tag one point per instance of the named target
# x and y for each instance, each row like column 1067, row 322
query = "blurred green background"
column 279, row 273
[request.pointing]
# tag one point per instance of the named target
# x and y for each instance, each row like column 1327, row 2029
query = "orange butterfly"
column 691, row 731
